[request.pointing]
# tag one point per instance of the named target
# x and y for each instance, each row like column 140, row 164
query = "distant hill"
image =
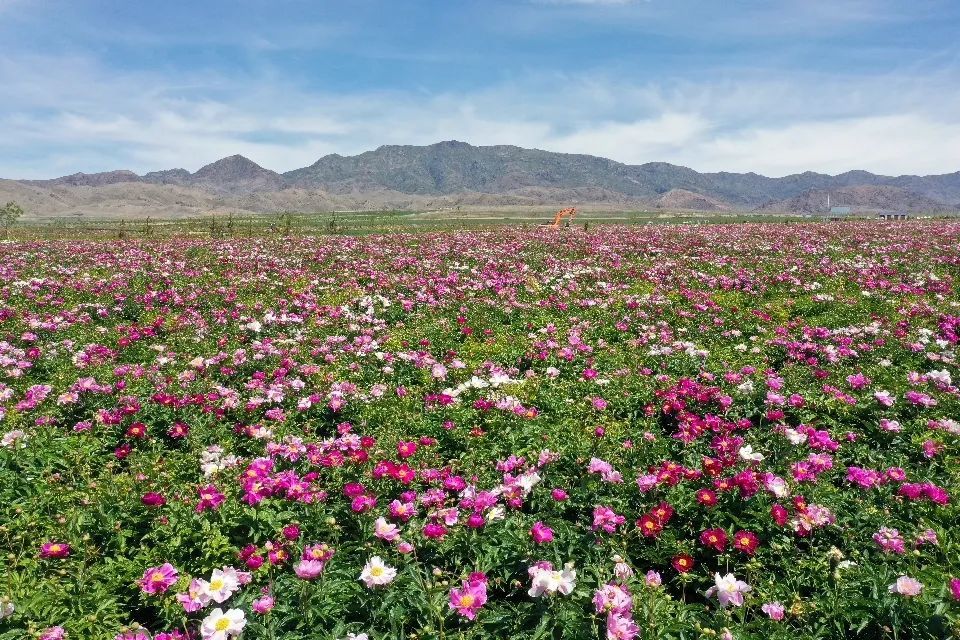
column 860, row 198
column 236, row 175
column 455, row 173
column 87, row 179
column 681, row 199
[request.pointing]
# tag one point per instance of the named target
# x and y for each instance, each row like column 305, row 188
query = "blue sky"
column 770, row 86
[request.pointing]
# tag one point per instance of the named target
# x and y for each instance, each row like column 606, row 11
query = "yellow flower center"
column 216, row 585
column 222, row 624
column 467, row 600
column 376, row 572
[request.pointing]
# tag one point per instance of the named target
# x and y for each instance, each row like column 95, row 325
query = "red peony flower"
column 746, row 542
column 714, row 538
column 683, row 563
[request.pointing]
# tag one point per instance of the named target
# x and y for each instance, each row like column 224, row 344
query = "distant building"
column 837, row 213
column 894, row 215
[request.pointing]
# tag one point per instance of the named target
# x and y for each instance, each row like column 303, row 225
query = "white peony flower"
column 747, row 453
column 221, row 626
column 550, row 581
column 377, row 573
column 221, row 586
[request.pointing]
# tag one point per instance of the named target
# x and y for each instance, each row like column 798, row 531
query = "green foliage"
column 9, row 214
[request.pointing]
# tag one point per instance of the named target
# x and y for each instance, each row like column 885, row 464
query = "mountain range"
column 455, row 173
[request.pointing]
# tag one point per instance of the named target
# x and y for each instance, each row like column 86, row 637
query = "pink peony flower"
column 890, row 540
column 728, row 590
column 605, row 518
column 612, row 598
column 621, row 627
column 906, row 586
column 263, row 605
column 309, row 569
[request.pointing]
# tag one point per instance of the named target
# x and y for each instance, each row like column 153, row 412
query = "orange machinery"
column 564, row 214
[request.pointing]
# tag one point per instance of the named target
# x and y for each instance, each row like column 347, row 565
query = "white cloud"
column 638, row 141
column 907, row 143
column 76, row 116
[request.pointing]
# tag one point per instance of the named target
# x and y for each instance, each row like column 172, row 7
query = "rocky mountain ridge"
column 452, row 173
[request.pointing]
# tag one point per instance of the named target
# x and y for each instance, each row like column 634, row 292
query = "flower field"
column 713, row 431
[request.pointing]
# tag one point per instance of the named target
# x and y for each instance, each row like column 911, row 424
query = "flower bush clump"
column 747, row 431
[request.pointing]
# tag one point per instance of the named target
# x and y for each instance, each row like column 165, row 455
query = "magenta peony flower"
column 541, row 533
column 210, row 498
column 470, row 597
column 54, row 550
column 434, row 530
column 158, row 579
column 955, row 588
column 406, row 449
column 152, row 499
